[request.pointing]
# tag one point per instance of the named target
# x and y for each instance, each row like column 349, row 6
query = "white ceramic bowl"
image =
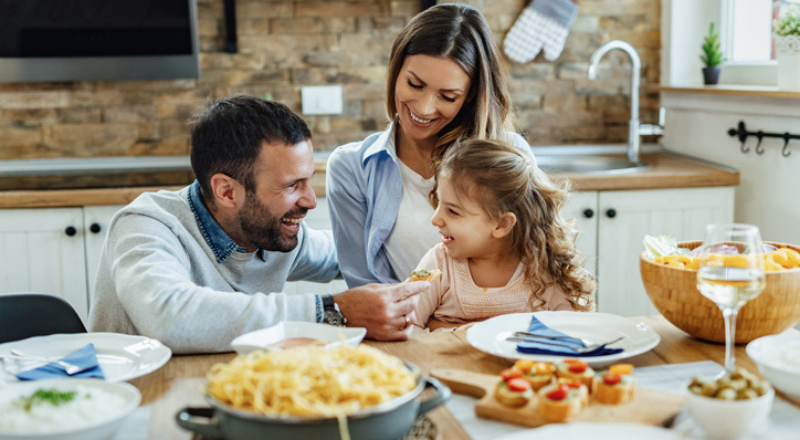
column 767, row 352
column 729, row 419
column 262, row 339
column 101, row 429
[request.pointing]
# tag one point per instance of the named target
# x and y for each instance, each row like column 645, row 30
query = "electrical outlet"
column 322, row 100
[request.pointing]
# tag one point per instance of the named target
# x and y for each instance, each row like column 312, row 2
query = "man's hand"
column 382, row 309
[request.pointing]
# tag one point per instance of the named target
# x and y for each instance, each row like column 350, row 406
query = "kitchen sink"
column 587, row 164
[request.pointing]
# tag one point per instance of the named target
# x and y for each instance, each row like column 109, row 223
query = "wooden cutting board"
column 651, row 407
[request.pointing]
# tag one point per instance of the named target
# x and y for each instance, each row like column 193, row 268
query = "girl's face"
column 429, row 93
column 467, row 231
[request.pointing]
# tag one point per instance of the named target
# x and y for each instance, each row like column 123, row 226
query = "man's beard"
column 264, row 230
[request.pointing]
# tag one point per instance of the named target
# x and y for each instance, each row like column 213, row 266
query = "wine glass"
column 731, row 273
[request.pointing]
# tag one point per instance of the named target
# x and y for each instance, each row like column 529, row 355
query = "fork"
column 536, row 335
column 578, row 350
column 71, row 369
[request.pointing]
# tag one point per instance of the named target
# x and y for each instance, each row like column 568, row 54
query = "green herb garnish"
column 51, row 396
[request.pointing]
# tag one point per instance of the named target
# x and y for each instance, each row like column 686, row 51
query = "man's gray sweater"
column 159, row 276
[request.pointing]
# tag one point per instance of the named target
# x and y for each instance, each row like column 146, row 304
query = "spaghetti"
column 310, row 381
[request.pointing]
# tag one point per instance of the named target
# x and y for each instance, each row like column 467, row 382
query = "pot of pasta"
column 358, row 393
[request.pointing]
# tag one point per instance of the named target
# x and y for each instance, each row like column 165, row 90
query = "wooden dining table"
column 180, row 382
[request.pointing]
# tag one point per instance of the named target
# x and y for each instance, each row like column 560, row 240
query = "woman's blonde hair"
column 501, row 178
column 460, row 33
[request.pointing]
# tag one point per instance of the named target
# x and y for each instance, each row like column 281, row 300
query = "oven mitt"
column 537, row 327
column 86, row 358
column 543, row 24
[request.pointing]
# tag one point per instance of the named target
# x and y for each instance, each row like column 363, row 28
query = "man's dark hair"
column 227, row 137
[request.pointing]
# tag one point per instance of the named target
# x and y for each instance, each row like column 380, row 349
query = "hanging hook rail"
column 742, row 133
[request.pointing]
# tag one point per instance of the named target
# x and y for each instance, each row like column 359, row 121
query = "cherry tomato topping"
column 573, row 383
column 577, row 368
column 612, row 378
column 557, row 393
column 510, row 373
column 518, row 384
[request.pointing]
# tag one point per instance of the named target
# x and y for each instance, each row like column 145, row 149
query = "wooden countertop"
column 666, row 171
column 727, row 89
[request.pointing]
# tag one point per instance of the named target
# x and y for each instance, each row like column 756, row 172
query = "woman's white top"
column 413, row 234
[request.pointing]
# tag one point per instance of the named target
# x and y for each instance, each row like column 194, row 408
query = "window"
column 747, row 28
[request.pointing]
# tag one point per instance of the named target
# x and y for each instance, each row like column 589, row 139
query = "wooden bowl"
column 674, row 293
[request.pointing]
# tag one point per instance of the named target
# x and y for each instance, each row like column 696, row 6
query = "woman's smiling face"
column 429, row 93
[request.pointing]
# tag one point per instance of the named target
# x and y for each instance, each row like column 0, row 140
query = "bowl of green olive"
column 731, row 406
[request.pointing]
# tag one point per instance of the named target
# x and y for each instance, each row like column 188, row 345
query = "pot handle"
column 188, row 418
column 441, row 396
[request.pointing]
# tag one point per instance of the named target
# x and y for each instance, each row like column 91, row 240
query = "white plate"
column 121, row 357
column 764, row 352
column 594, row 431
column 489, row 336
column 99, row 430
column 262, row 339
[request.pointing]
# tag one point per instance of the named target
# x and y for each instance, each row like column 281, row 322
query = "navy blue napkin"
column 86, row 358
column 537, row 327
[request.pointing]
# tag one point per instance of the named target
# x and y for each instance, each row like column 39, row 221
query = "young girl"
column 505, row 247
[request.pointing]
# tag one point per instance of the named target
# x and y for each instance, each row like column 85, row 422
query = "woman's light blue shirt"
column 363, row 187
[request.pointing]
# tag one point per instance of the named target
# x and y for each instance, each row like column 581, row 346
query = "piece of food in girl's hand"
column 538, row 374
column 614, row 386
column 558, row 402
column 576, row 369
column 425, row 275
column 512, row 390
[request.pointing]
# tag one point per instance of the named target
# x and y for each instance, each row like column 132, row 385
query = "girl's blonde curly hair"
column 502, row 178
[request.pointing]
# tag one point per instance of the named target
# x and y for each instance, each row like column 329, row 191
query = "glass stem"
column 730, row 338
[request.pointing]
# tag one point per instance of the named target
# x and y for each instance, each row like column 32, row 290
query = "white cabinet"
column 583, row 208
column 42, row 251
column 621, row 221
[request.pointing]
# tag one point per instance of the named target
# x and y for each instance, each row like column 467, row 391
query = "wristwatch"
column 331, row 314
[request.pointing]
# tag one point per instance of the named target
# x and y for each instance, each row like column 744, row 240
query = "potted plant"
column 712, row 56
column 787, row 43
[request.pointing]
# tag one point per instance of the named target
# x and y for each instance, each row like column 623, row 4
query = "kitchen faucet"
column 635, row 129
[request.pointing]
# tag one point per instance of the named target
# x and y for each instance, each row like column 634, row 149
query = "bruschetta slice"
column 558, row 402
column 615, row 386
column 512, row 390
column 425, row 275
column 576, row 369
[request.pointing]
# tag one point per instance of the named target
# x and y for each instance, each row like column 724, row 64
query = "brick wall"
column 284, row 45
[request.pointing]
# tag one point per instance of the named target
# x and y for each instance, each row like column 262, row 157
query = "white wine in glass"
column 731, row 273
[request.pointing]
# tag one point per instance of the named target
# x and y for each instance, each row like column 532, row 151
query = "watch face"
column 334, row 318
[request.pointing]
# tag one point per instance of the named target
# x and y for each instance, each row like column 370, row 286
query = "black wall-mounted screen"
column 69, row 40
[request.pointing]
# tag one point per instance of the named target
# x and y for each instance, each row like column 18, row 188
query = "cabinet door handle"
column 611, row 213
column 95, row 228
column 588, row 213
column 70, row 231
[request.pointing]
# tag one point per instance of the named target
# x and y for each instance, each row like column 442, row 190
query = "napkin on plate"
column 537, row 327
column 86, row 358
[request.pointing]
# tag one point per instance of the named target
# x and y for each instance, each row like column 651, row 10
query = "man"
column 197, row 267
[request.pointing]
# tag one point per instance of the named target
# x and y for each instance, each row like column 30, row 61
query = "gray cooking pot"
column 386, row 421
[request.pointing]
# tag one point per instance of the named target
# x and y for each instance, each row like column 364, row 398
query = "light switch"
column 322, row 100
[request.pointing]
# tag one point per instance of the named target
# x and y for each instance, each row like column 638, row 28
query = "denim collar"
column 384, row 142
column 218, row 240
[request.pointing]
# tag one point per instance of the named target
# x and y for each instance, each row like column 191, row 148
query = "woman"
column 445, row 84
